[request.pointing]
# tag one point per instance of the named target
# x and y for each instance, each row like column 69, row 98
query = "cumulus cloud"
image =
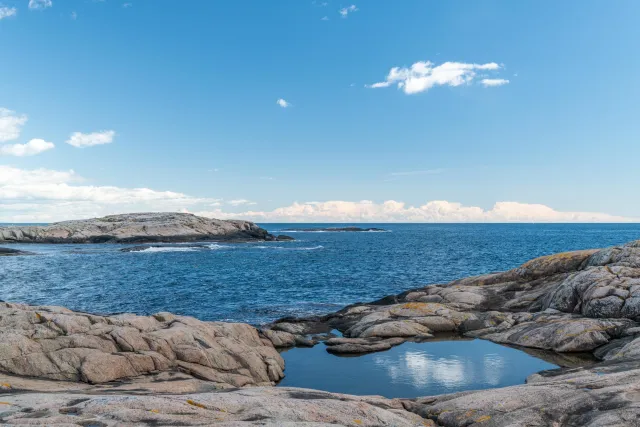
column 31, row 148
column 284, row 104
column 79, row 139
column 434, row 211
column 494, row 82
column 420, row 172
column 345, row 11
column 424, row 75
column 240, row 202
column 10, row 124
column 42, row 195
column 6, row 12
column 39, row 4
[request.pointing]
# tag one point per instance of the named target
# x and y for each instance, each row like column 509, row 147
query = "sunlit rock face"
column 59, row 344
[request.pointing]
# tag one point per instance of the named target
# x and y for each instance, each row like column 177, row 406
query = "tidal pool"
column 412, row 369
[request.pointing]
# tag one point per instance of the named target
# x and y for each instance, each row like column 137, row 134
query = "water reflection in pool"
column 412, row 369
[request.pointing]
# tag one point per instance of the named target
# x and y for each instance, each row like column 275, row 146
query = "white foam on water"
column 166, row 249
column 283, row 248
column 215, row 246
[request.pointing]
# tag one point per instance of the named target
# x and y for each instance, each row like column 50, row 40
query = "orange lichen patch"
column 5, row 385
column 6, row 403
column 196, row 404
column 554, row 264
column 155, row 411
column 482, row 419
column 359, row 422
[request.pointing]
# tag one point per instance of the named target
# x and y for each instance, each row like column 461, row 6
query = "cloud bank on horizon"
column 45, row 195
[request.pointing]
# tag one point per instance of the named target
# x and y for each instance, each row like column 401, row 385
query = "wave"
column 215, row 246
column 283, row 248
column 166, row 249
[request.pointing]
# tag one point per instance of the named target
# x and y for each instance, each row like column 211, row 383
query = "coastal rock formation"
column 137, row 228
column 13, row 252
column 59, row 344
column 570, row 302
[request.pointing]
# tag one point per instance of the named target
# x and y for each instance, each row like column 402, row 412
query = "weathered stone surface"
column 55, row 343
column 142, row 403
column 137, row 227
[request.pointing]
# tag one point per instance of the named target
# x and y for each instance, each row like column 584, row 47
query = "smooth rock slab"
column 254, row 406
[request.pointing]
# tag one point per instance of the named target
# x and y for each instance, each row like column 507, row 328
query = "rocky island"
column 139, row 228
column 67, row 368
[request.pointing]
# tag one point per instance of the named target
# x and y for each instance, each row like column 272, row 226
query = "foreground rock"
column 138, row 228
column 13, row 252
column 119, row 405
column 59, row 344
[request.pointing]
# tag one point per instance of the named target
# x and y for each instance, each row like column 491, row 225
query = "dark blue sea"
column 319, row 272
column 259, row 282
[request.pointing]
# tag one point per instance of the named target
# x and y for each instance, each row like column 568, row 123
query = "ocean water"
column 260, row 282
column 412, row 369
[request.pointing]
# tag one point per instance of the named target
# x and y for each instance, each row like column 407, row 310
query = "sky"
column 308, row 111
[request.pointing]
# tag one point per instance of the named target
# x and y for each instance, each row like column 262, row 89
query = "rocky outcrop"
column 137, row 228
column 14, row 252
column 59, row 344
column 583, row 301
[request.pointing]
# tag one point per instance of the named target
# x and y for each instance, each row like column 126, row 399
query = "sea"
column 317, row 273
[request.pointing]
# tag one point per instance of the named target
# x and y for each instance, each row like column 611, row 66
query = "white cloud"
column 240, row 202
column 31, row 148
column 345, row 11
column 434, row 211
column 74, row 15
column 127, row 5
column 424, row 75
column 10, row 124
column 40, row 4
column 494, row 82
column 284, row 104
column 422, row 172
column 324, row 18
column 79, row 139
column 43, row 195
column 6, row 12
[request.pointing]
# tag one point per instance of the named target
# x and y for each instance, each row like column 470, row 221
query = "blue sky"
column 190, row 89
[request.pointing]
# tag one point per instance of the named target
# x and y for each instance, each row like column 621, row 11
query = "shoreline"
column 583, row 301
